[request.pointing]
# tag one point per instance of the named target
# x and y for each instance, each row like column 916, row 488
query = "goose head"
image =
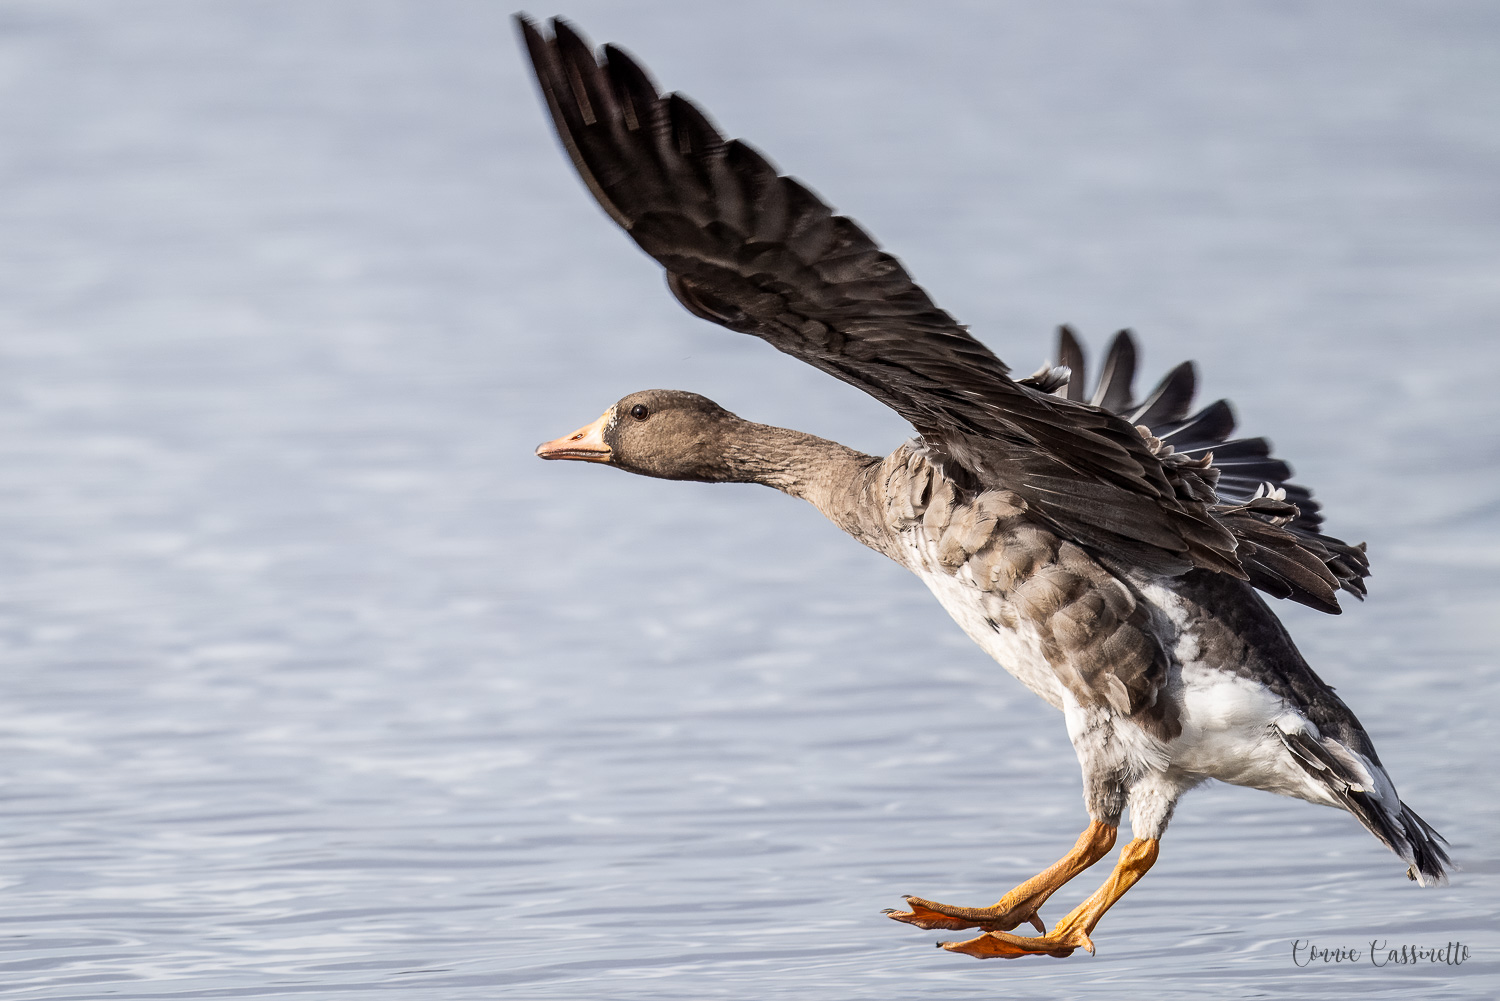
column 665, row 433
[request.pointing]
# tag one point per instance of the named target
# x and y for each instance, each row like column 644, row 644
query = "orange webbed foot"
column 1073, row 931
column 1021, row 904
column 1070, row 934
column 933, row 916
column 1059, row 943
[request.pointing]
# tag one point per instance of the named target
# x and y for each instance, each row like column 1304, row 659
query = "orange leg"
column 1020, row 904
column 1072, row 932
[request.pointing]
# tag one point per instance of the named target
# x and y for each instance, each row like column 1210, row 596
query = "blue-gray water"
column 316, row 683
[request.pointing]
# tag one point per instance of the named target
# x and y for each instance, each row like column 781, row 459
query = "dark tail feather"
column 1430, row 861
column 1396, row 825
column 1408, row 835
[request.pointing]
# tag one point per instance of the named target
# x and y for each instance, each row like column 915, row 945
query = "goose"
column 1109, row 552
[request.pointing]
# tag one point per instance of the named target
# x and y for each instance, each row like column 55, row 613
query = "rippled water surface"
column 317, row 684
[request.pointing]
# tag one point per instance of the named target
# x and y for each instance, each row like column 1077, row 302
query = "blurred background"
column 316, row 683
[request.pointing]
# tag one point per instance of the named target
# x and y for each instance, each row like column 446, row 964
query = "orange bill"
column 586, row 444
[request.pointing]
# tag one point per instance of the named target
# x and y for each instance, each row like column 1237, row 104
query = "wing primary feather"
column 568, row 124
column 1213, row 423
column 1070, row 356
column 1117, row 375
column 766, row 198
column 1170, row 400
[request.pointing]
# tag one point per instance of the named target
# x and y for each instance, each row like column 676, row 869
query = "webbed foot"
column 1000, row 945
column 931, row 915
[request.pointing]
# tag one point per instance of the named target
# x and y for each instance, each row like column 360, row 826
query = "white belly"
column 1230, row 723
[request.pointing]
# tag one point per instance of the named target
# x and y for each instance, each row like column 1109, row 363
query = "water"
column 317, row 684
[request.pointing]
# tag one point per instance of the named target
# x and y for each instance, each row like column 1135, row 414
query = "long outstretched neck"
column 829, row 475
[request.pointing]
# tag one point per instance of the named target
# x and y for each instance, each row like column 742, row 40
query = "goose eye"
column 640, row 411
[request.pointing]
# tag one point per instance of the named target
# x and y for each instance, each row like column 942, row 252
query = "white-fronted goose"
column 1105, row 551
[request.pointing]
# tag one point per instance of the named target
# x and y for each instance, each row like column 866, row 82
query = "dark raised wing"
column 761, row 254
column 1277, row 524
